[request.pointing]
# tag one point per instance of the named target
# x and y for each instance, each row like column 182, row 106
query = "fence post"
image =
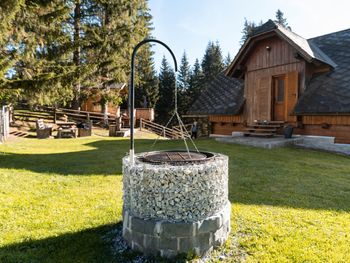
column 164, row 132
column 54, row 115
column 88, row 117
column 140, row 124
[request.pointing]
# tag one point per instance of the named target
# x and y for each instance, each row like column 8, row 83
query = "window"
column 279, row 88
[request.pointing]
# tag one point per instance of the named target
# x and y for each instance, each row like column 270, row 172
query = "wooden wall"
column 92, row 104
column 226, row 118
column 225, row 124
column 336, row 120
column 261, row 66
column 340, row 132
column 225, row 128
column 334, row 126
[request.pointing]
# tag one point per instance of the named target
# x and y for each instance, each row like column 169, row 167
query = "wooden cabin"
column 278, row 75
column 93, row 102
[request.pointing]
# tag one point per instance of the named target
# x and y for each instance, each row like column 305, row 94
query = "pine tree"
column 212, row 61
column 147, row 88
column 227, row 60
column 196, row 82
column 146, row 79
column 53, row 51
column 121, row 25
column 281, row 19
column 38, row 41
column 165, row 104
column 184, row 82
column 248, row 30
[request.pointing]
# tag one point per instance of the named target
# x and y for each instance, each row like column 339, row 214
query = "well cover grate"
column 176, row 157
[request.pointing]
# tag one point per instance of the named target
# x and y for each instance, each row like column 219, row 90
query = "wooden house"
column 279, row 76
column 93, row 102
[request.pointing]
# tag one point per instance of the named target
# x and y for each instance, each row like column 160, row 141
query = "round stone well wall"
column 172, row 209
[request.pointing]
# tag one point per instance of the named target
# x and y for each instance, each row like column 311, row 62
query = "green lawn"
column 60, row 200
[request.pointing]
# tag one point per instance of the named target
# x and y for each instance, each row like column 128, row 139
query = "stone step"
column 258, row 134
column 270, row 122
column 261, row 129
column 265, row 126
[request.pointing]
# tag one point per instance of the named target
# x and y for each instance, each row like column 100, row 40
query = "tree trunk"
column 76, row 54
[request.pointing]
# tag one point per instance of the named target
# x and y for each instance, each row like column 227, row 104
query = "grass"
column 60, row 201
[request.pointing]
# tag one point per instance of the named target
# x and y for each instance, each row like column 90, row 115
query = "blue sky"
column 189, row 24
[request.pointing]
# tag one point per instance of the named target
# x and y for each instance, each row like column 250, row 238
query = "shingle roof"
column 223, row 95
column 330, row 92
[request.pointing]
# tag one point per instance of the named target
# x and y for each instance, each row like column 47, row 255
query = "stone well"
column 176, row 207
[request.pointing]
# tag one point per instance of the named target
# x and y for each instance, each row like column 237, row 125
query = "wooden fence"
column 162, row 130
column 55, row 114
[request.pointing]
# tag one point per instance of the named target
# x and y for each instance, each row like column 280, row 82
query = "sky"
column 188, row 25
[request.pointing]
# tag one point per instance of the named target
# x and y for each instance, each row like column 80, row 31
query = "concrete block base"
column 169, row 239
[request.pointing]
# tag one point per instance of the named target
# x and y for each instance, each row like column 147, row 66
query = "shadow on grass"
column 100, row 244
column 104, row 159
column 84, row 246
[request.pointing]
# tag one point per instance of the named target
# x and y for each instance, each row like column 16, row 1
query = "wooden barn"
column 281, row 78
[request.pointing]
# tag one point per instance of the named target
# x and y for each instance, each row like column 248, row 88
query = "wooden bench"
column 43, row 131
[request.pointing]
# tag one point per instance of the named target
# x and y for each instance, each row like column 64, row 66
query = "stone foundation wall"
column 168, row 239
column 186, row 192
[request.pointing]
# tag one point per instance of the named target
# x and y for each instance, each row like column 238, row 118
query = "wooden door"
column 279, row 101
column 292, row 88
column 262, row 101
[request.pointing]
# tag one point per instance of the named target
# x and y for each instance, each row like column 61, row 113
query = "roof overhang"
column 304, row 48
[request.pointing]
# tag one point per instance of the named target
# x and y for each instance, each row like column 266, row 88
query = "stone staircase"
column 263, row 128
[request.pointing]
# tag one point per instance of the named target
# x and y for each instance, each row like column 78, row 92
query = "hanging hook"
column 132, row 90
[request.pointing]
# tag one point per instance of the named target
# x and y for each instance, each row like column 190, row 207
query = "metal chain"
column 183, row 129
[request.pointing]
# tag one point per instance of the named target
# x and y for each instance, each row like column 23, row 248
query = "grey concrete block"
column 142, row 225
column 136, row 247
column 169, row 229
column 151, row 245
column 210, row 225
column 204, row 241
column 168, row 253
column 151, row 241
column 127, row 235
column 186, row 244
column 126, row 219
column 138, row 238
column 168, row 243
column 219, row 236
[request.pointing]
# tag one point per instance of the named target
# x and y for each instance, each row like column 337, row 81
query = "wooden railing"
column 187, row 126
column 84, row 115
column 162, row 130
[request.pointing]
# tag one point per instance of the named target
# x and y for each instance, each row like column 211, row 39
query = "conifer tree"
column 147, row 89
column 37, row 42
column 248, row 30
column 227, row 60
column 279, row 18
column 196, row 82
column 212, row 62
column 165, row 104
column 184, row 83
column 146, row 79
column 53, row 50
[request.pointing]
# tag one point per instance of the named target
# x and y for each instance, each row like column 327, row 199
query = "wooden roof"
column 329, row 93
column 223, row 95
column 307, row 50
